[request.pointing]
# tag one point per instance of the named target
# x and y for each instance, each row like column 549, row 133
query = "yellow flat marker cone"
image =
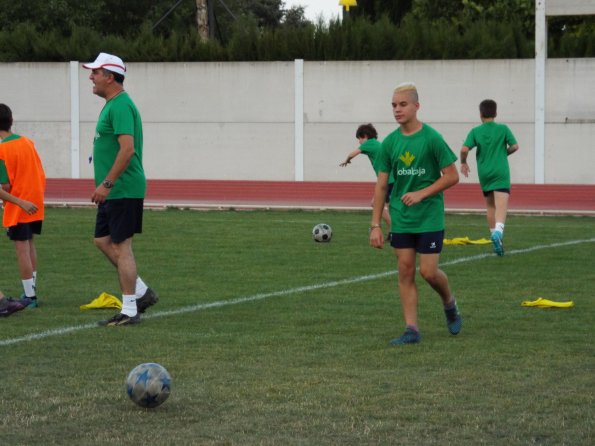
column 104, row 300
column 481, row 241
column 540, row 302
column 466, row 241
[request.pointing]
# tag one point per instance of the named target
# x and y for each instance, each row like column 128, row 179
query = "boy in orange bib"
column 21, row 173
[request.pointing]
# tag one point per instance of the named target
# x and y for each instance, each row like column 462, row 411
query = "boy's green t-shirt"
column 3, row 172
column 492, row 141
column 416, row 162
column 372, row 148
column 119, row 117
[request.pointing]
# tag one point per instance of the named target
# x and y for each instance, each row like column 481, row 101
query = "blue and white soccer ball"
column 148, row 384
column 322, row 233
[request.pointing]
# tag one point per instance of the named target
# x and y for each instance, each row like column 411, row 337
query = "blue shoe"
column 410, row 336
column 497, row 243
column 29, row 302
column 454, row 321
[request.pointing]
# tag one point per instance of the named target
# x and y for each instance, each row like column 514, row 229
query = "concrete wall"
column 569, row 7
column 235, row 121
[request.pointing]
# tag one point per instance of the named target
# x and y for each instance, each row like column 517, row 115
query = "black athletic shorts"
column 488, row 192
column 120, row 218
column 423, row 242
column 24, row 231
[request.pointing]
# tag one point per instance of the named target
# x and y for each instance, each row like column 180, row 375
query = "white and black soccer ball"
column 322, row 233
column 148, row 384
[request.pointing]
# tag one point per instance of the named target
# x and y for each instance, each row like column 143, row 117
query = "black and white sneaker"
column 120, row 319
column 149, row 299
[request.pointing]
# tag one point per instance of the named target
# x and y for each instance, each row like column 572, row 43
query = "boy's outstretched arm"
column 351, row 155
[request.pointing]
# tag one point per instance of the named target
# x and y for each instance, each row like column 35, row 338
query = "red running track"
column 551, row 198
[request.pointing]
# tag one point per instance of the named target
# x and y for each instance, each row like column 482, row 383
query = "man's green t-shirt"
column 371, row 148
column 119, row 117
column 416, row 162
column 492, row 140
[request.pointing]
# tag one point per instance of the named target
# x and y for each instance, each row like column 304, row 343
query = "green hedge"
column 357, row 39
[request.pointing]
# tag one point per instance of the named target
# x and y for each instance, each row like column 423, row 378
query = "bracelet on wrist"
column 372, row 227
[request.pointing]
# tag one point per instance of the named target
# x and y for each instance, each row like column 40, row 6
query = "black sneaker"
column 120, row 319
column 150, row 298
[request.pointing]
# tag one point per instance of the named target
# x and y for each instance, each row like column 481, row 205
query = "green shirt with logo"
column 492, row 141
column 119, row 117
column 416, row 162
column 372, row 148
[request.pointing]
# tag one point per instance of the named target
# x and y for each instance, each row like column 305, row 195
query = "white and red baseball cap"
column 109, row 62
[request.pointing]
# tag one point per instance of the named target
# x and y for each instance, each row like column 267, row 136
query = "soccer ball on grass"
column 148, row 384
column 322, row 233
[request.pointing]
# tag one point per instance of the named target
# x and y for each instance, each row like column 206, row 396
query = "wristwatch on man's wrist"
column 108, row 184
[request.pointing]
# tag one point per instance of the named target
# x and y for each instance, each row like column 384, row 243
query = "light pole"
column 346, row 5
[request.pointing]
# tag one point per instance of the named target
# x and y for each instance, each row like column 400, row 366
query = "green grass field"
column 272, row 339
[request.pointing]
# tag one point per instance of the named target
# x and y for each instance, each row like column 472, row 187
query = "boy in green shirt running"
column 423, row 166
column 494, row 142
column 367, row 136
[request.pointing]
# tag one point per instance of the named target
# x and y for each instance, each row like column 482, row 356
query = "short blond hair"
column 408, row 86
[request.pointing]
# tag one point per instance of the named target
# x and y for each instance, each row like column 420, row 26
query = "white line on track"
column 263, row 296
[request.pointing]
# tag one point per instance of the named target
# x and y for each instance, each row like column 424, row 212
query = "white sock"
column 141, row 287
column 129, row 304
column 500, row 227
column 28, row 287
column 34, row 278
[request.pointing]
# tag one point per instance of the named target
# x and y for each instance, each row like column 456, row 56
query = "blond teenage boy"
column 423, row 166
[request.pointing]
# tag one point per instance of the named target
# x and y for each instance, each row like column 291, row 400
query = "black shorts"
column 120, row 219
column 488, row 192
column 389, row 192
column 423, row 242
column 24, row 231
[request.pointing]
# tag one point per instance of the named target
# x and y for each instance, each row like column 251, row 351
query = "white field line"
column 281, row 293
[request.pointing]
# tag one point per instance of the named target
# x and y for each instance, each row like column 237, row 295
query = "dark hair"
column 367, row 131
column 5, row 118
column 119, row 78
column 488, row 108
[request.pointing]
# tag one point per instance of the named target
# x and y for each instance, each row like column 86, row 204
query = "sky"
column 328, row 8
